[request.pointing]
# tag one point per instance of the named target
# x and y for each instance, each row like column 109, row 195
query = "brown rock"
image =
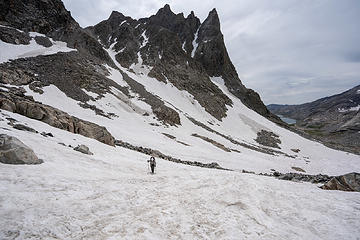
column 55, row 117
column 7, row 105
column 348, row 182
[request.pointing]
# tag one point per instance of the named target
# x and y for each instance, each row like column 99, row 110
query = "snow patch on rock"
column 195, row 43
column 10, row 51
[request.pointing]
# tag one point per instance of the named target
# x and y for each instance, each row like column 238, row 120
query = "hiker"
column 152, row 164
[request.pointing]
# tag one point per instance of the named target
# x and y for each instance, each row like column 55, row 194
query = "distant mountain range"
column 334, row 120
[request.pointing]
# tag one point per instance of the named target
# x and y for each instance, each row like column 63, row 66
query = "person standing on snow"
column 152, row 164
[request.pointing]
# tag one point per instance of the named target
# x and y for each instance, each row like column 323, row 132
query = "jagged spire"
column 191, row 15
column 165, row 10
column 167, row 7
column 116, row 14
column 212, row 20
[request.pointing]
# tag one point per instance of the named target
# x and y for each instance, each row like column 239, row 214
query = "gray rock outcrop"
column 43, row 41
column 83, row 149
column 296, row 177
column 13, row 36
column 13, row 151
column 267, row 138
column 157, row 153
column 348, row 182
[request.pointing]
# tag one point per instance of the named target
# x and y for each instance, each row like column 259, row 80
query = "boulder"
column 348, row 182
column 13, row 151
column 83, row 149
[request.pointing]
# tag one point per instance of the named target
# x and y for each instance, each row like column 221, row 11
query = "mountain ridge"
column 331, row 119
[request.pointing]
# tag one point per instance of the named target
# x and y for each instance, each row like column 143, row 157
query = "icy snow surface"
column 110, row 195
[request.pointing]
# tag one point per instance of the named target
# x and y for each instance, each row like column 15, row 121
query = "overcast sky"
column 289, row 51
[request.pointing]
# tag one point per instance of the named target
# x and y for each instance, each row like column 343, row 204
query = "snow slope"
column 241, row 124
column 110, row 195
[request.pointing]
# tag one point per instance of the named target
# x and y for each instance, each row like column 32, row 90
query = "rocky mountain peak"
column 210, row 28
column 166, row 8
column 212, row 20
column 165, row 12
column 184, row 50
column 116, row 15
column 191, row 15
column 167, row 19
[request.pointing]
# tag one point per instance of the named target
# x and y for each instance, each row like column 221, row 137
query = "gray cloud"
column 289, row 51
column 353, row 56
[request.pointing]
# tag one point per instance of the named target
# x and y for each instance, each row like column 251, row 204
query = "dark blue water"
column 287, row 120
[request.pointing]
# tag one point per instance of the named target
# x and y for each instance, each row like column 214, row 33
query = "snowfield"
column 110, row 195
